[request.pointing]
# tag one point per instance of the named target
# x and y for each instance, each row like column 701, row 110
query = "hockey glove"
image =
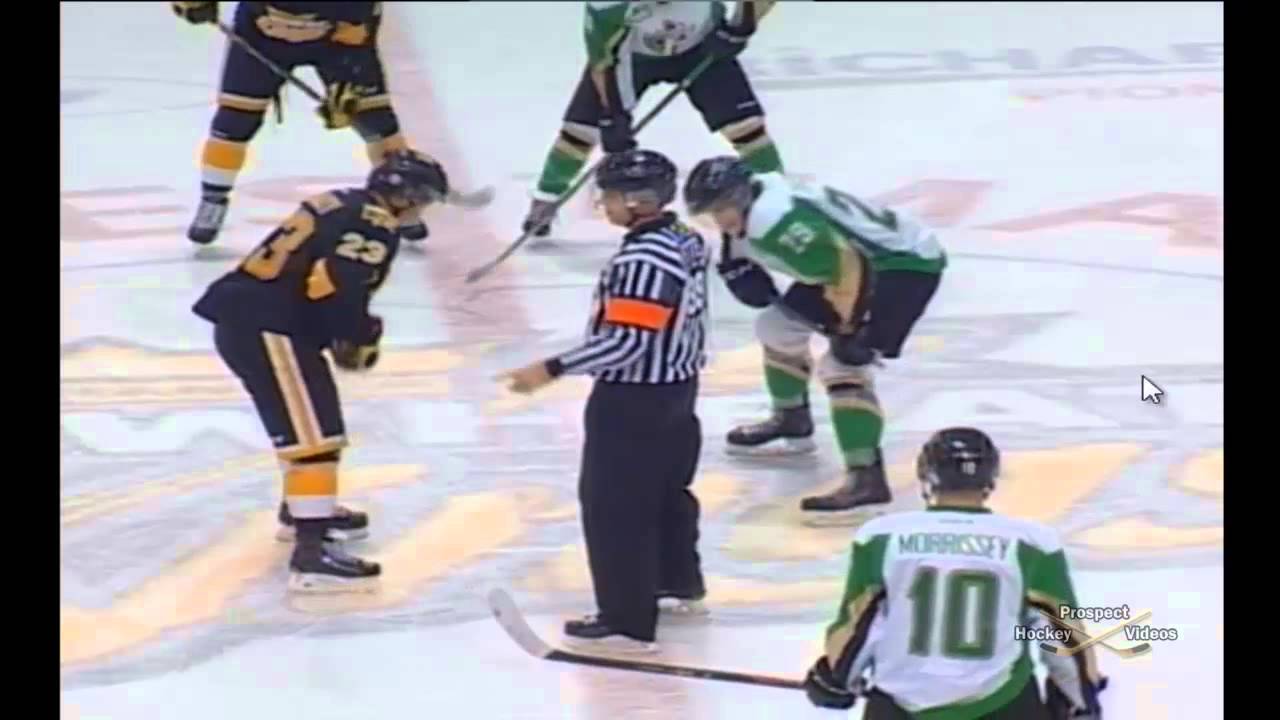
column 356, row 357
column 341, row 102
column 196, row 13
column 854, row 350
column 615, row 133
column 727, row 41
column 824, row 690
column 748, row 282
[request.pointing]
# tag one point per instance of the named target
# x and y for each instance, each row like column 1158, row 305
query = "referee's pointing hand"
column 528, row 378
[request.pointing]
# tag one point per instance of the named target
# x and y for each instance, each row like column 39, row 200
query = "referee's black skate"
column 346, row 525
column 864, row 489
column 789, row 431
column 592, row 634
column 321, row 567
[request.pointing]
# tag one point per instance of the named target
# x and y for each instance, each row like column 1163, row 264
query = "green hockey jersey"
column 805, row 232
column 931, row 604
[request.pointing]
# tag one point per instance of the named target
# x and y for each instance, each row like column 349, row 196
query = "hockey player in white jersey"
column 863, row 276
column 933, row 598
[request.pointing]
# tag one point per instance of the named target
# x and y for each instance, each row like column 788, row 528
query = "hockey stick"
column 475, row 199
column 487, row 268
column 509, row 617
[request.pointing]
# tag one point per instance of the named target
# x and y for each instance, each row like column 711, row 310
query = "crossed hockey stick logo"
column 1100, row 639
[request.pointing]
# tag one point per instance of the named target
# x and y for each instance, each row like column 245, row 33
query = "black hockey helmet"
column 958, row 458
column 718, row 180
column 410, row 175
column 645, row 175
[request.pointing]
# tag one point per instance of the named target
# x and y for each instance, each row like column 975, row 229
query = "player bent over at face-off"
column 863, row 276
column 632, row 46
column 645, row 347
column 305, row 289
column 340, row 39
column 933, row 622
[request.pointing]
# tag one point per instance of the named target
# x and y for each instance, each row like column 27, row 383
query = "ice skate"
column 415, row 232
column 318, row 567
column 346, row 525
column 590, row 634
column 210, row 215
column 788, row 431
column 864, row 494
column 541, row 215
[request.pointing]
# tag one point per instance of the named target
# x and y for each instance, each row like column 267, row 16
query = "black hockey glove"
column 615, row 133
column 726, row 41
column 824, row 690
column 357, row 357
column 748, row 282
column 196, row 13
column 854, row 349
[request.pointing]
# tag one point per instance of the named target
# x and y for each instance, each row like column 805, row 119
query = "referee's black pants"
column 638, row 516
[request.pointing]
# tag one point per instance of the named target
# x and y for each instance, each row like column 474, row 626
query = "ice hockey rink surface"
column 1071, row 155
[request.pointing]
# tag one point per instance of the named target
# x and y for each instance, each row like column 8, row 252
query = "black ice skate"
column 591, row 634
column 319, row 567
column 865, row 489
column 539, row 219
column 788, row 431
column 207, row 224
column 346, row 525
column 414, row 231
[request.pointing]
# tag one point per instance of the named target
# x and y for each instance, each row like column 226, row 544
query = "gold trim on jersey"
column 844, row 296
column 319, row 283
column 373, row 102
column 839, row 638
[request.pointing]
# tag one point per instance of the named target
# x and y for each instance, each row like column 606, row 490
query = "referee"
column 645, row 345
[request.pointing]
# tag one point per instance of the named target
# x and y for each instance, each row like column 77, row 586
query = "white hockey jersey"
column 931, row 605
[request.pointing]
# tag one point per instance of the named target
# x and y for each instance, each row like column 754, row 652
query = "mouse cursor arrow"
column 1150, row 391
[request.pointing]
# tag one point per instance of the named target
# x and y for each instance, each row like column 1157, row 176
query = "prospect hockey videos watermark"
column 1056, row 636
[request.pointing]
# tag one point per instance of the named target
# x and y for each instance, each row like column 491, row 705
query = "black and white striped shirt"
column 648, row 321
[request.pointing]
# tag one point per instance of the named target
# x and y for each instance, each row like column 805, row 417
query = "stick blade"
column 508, row 615
column 474, row 199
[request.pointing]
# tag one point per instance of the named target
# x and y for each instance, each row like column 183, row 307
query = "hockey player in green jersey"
column 933, row 600
column 863, row 276
column 632, row 46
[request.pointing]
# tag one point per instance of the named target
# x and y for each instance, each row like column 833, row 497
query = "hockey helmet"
column 958, row 458
column 412, row 176
column 716, row 181
column 641, row 175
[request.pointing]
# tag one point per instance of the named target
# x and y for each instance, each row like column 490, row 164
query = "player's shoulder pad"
column 773, row 205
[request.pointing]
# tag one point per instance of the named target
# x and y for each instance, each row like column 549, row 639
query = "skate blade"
column 839, row 518
column 786, row 447
column 318, row 584
column 288, row 534
column 612, row 645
